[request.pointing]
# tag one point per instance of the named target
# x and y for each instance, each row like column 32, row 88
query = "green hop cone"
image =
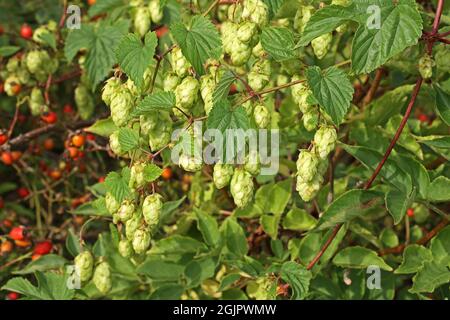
column 141, row 240
column 207, row 85
column 121, row 105
column 246, row 31
column 311, row 119
column 222, row 175
column 302, row 17
column 426, row 64
column 37, row 102
column 258, row 50
column 241, row 187
column 171, row 81
column 125, row 248
column 102, row 277
column 252, row 163
column 262, row 116
column 115, row 145
column 300, row 93
column 179, row 63
column 112, row 205
column 10, row 84
column 137, row 178
column 307, row 165
column 148, row 122
column 84, row 102
column 132, row 225
column 235, row 12
column 13, row 65
column 248, row 107
column 228, row 32
column 321, row 45
column 308, row 189
column 160, row 136
column 240, row 53
column 255, row 11
column 84, row 264
column 325, row 141
column 259, row 75
column 156, row 10
column 38, row 62
column 112, row 86
column 142, row 21
column 186, row 93
column 125, row 211
column 24, row 76
column 190, row 163
column 40, row 34
column 152, row 208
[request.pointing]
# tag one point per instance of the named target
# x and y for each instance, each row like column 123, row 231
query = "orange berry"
column 16, row 155
column 3, row 138
column 7, row 158
column 35, row 256
column 78, row 140
column 91, row 2
column 6, row 247
column 22, row 243
column 55, row 174
column 16, row 89
column 49, row 144
column 49, row 117
column 73, row 152
column 167, row 173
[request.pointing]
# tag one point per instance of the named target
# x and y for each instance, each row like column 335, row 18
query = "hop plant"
column 300, row 93
column 40, row 34
column 325, row 140
column 222, row 175
column 308, row 189
column 39, row 63
column 262, row 116
column 307, row 165
column 151, row 209
column 125, row 211
column 241, row 187
column 259, row 75
column 255, row 11
column 246, row 31
column 102, row 277
column 258, row 50
column 321, row 45
column 302, row 17
column 114, row 144
column 84, row 264
column 141, row 240
column 207, row 85
column 125, row 248
column 112, row 205
column 311, row 119
column 426, row 64
column 84, row 101
column 156, row 10
column 148, row 122
column 179, row 63
column 171, row 81
column 137, row 178
column 160, row 136
column 37, row 102
column 252, row 163
column 110, row 89
column 248, row 107
column 240, row 53
column 121, row 105
column 132, row 225
column 142, row 21
column 190, row 163
column 186, row 93
column 10, row 85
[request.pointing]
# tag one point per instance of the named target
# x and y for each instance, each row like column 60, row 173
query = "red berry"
column 101, row 179
column 3, row 138
column 78, row 140
column 67, row 108
column 49, row 117
column 43, row 247
column 7, row 158
column 161, row 31
column 90, row 137
column 17, row 233
column 2, row 87
column 16, row 155
column 23, row 192
column 2, row 203
column 13, row 296
column 410, row 212
column 423, row 117
column 2, row 30
column 26, row 32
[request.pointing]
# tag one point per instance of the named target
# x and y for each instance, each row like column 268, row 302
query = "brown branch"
column 374, row 87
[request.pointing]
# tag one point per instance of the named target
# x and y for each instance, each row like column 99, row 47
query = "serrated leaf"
column 440, row 245
column 161, row 270
column 359, row 258
column 117, row 184
column 135, row 57
column 234, row 237
column 274, row 6
column 351, row 204
column 439, row 189
column 270, row 223
column 397, row 202
column 128, row 139
column 103, row 127
column 223, row 117
column 6, row 51
column 442, row 103
column 48, row 39
column 279, row 43
column 44, row 263
column 73, row 243
column 414, row 257
column 223, row 86
column 207, row 225
column 297, row 277
column 432, row 275
column 198, row 41
column 152, row 172
column 332, row 89
column 160, row 101
column 106, row 6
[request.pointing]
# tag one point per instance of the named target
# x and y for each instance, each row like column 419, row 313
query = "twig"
column 374, row 87
column 213, row 4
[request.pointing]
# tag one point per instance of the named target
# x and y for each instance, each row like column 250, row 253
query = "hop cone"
column 125, row 211
column 84, row 101
column 137, row 175
column 171, row 81
column 102, row 277
column 222, row 175
column 310, row 119
column 262, row 116
column 426, row 64
column 111, row 88
column 114, row 143
column 142, row 21
column 151, row 209
column 325, row 140
column 84, row 264
column 207, row 85
column 307, row 164
column 156, row 10
column 132, row 225
column 252, row 164
column 141, row 240
column 321, row 45
column 112, row 205
column 241, row 187
column 186, row 93
column 125, row 248
column 37, row 102
column 179, row 63
column 308, row 189
column 121, row 105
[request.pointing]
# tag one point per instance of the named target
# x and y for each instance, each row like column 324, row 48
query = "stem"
column 374, row 87
column 213, row 4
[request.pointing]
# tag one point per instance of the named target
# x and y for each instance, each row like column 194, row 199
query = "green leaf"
column 400, row 28
column 73, row 243
column 432, row 275
column 207, row 225
column 332, row 89
column 161, row 270
column 440, row 245
column 297, row 277
column 414, row 257
column 234, row 237
column 223, row 86
column 7, row 187
column 169, row 207
column 135, row 57
column 223, row 117
column 198, row 41
column 44, row 263
column 442, row 103
column 152, row 172
column 359, row 258
column 105, row 6
column 177, row 245
column 391, row 171
column 274, row 197
column 199, row 270
column 278, row 42
column 48, row 39
column 228, row 280
column 168, row 292
column 298, row 220
column 418, row 173
column 100, row 44
column 397, row 202
column 6, row 51
column 103, row 127
column 270, row 224
column 160, row 101
column 348, row 206
column 117, row 184
column 274, row 6
column 439, row 189
column 128, row 139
